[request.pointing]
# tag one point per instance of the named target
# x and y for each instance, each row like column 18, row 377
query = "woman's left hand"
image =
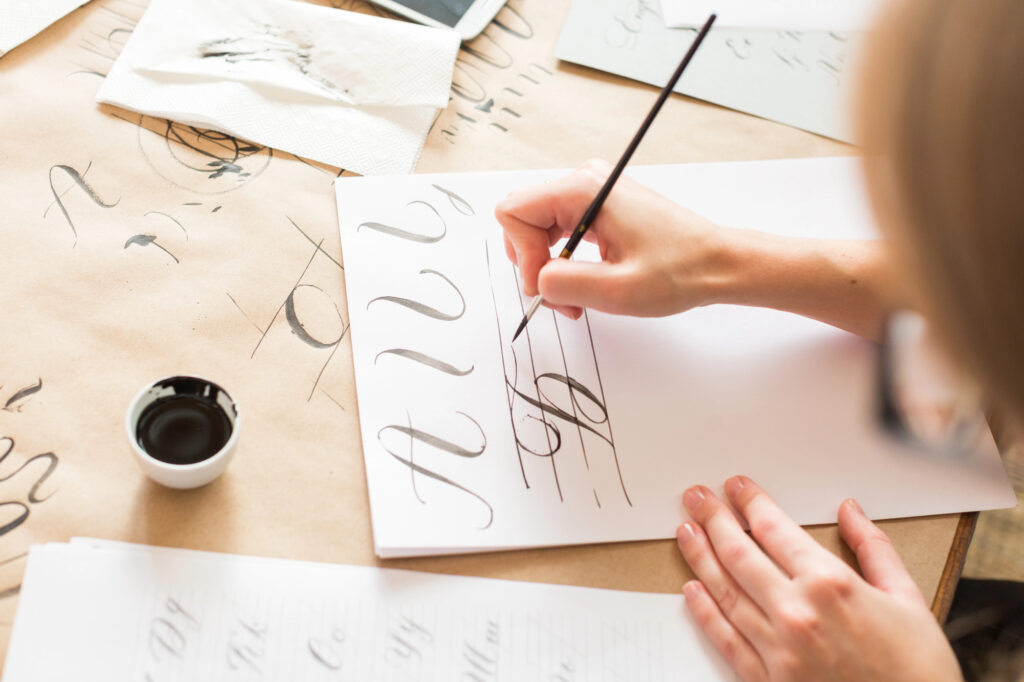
column 794, row 611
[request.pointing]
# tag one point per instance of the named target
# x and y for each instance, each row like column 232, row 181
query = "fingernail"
column 691, row 589
column 856, row 507
column 734, row 485
column 693, row 497
column 685, row 533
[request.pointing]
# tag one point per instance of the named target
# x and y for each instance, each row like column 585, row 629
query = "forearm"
column 847, row 284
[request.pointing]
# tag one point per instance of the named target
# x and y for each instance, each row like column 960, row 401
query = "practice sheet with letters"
column 116, row 612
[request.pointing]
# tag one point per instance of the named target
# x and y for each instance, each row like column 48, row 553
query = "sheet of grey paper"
column 802, row 79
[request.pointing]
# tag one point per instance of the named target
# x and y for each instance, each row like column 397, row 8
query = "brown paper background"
column 96, row 320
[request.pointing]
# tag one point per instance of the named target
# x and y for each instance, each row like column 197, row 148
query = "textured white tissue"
column 343, row 88
column 22, row 19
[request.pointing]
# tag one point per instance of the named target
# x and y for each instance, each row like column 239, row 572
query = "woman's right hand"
column 657, row 258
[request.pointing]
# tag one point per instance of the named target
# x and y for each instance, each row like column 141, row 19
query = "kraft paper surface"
column 134, row 248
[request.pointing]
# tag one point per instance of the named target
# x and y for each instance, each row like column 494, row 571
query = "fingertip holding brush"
column 591, row 213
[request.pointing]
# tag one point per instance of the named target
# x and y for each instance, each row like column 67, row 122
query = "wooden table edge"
column 954, row 565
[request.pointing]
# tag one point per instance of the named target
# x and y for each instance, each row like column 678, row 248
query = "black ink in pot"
column 183, row 429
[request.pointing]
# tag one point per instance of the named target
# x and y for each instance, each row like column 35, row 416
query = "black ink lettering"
column 190, row 158
column 146, row 240
column 741, row 50
column 406, row 234
column 565, row 673
column 18, row 520
column 324, row 651
column 12, row 403
column 318, row 245
column 444, row 446
column 171, row 218
column 504, row 368
column 424, row 309
column 468, row 88
column 405, row 641
column 324, row 655
column 165, row 638
column 548, row 407
column 300, row 329
column 483, row 659
column 427, row 360
column 830, row 70
column 628, row 23
column 439, row 443
column 175, row 608
column 247, row 646
column 33, row 493
column 77, row 178
column 509, row 15
column 457, row 202
column 33, row 496
column 543, row 415
column 493, row 54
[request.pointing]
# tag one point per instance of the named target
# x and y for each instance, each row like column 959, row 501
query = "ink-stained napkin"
column 22, row 19
column 346, row 89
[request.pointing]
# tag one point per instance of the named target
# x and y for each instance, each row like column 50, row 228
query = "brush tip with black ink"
column 520, row 328
column 534, row 304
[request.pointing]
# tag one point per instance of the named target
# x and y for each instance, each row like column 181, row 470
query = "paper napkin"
column 343, row 88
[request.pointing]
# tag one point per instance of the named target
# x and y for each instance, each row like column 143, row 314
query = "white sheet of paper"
column 472, row 444
column 787, row 15
column 347, row 89
column 120, row 612
column 22, row 19
column 800, row 79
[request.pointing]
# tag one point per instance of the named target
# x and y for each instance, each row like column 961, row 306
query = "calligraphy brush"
column 595, row 205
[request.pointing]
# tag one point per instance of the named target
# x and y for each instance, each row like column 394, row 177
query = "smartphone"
column 467, row 17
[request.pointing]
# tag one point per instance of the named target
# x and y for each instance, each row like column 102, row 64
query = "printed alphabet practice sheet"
column 588, row 431
column 116, row 611
column 801, row 78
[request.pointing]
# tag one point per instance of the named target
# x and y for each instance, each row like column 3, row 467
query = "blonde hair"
column 941, row 115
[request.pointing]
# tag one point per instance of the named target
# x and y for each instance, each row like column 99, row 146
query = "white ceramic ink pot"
column 183, row 430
